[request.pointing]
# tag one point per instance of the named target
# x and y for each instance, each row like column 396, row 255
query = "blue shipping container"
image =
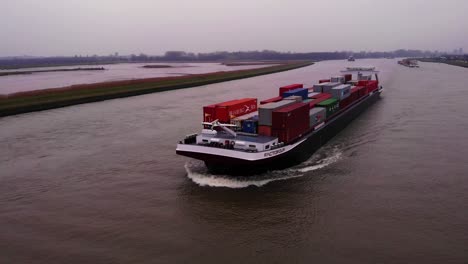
column 249, row 126
column 302, row 92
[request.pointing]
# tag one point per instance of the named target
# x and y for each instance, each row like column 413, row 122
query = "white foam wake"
column 323, row 162
column 197, row 172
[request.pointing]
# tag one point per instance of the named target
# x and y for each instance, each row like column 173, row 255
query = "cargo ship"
column 242, row 137
column 409, row 63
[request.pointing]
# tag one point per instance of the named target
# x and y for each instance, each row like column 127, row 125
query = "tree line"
column 222, row 56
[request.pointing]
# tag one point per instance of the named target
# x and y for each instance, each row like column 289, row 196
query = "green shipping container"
column 332, row 105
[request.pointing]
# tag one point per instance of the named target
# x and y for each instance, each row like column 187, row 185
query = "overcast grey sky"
column 69, row 27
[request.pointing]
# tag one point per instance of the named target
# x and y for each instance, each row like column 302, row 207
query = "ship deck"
column 254, row 139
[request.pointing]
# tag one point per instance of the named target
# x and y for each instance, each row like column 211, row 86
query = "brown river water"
column 100, row 182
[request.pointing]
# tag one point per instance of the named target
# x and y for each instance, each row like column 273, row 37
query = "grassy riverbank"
column 459, row 63
column 54, row 70
column 77, row 94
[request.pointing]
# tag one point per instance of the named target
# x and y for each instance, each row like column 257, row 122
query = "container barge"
column 409, row 63
column 242, row 137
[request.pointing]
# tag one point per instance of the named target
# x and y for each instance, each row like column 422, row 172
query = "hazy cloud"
column 58, row 27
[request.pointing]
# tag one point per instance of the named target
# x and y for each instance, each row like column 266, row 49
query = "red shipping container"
column 290, row 122
column 347, row 77
column 354, row 94
column 292, row 116
column 290, row 87
column 264, row 130
column 287, row 135
column 209, row 113
column 271, row 100
column 228, row 110
column 362, row 90
column 317, row 96
column 324, row 80
column 322, row 98
column 372, row 85
column 345, row 102
column 362, row 83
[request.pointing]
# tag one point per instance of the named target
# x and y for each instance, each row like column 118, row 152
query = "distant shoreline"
column 54, row 70
column 156, row 66
column 23, row 102
column 458, row 63
column 251, row 63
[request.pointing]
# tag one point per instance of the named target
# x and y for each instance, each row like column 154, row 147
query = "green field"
column 78, row 94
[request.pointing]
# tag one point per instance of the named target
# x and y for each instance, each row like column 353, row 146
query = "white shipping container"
column 312, row 94
column 339, row 79
column 328, row 86
column 341, row 92
column 316, row 115
column 294, row 97
column 318, row 88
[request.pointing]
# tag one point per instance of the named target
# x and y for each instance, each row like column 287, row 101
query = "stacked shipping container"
column 265, row 115
column 371, row 85
column 224, row 112
column 265, row 111
column 323, row 97
column 347, row 77
column 338, row 79
column 290, row 122
column 290, row 87
column 238, row 120
column 316, row 116
column 209, row 113
column 296, row 98
column 295, row 111
column 325, row 87
column 271, row 100
column 341, row 92
column 303, row 92
column 312, row 94
column 250, row 126
column 332, row 106
column 353, row 96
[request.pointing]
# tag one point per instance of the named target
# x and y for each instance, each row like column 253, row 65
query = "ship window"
column 205, row 140
column 252, row 146
column 267, row 146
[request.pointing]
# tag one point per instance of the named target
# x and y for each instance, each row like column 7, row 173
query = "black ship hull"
column 303, row 151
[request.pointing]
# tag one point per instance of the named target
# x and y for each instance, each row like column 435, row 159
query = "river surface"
column 100, row 182
column 113, row 72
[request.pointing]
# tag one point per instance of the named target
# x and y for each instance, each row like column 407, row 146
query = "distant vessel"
column 409, row 63
column 351, row 58
column 242, row 137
